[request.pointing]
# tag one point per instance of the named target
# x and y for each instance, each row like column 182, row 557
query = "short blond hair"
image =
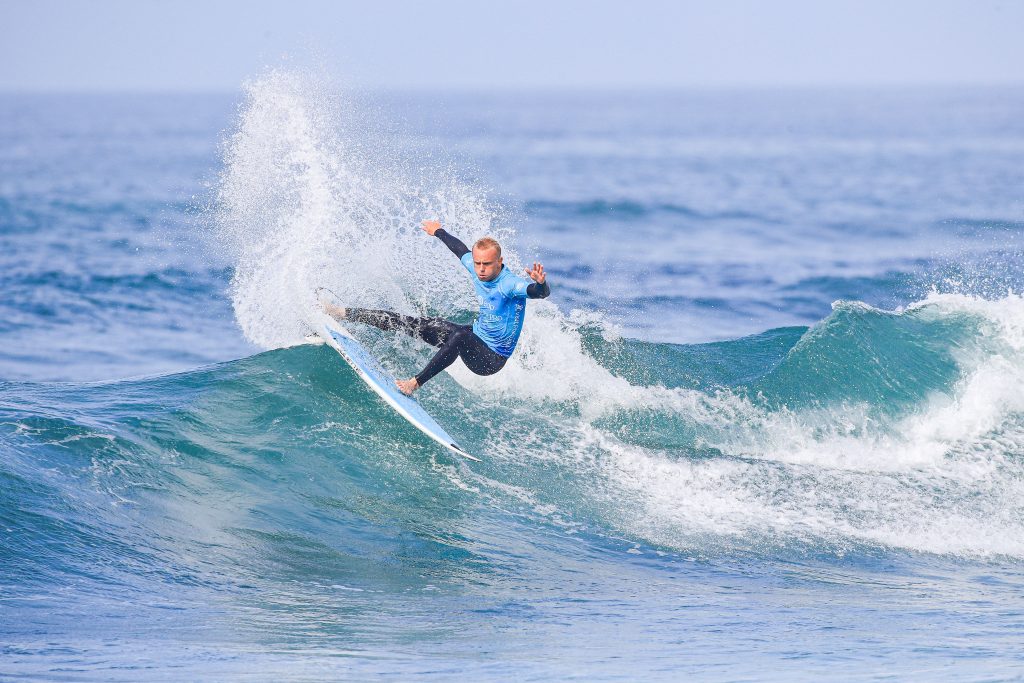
column 487, row 243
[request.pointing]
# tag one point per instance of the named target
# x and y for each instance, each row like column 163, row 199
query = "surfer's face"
column 487, row 264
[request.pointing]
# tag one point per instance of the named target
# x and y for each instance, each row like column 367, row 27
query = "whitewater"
column 770, row 424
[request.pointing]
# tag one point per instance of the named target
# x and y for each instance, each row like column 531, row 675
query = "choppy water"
column 770, row 425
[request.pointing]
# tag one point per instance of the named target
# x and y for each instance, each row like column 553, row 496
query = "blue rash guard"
column 502, row 308
column 502, row 300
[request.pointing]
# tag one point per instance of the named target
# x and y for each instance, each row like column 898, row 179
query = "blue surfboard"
column 383, row 384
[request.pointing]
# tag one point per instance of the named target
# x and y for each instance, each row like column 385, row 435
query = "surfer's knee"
column 459, row 336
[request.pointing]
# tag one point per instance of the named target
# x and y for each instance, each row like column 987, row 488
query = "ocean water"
column 769, row 426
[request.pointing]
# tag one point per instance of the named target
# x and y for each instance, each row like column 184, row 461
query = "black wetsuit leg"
column 434, row 331
column 463, row 343
column 454, row 341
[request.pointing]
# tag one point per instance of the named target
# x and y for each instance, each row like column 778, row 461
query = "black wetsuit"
column 453, row 340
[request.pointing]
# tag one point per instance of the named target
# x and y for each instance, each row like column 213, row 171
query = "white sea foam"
column 945, row 479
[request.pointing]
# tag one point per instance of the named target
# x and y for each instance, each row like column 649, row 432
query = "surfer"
column 485, row 345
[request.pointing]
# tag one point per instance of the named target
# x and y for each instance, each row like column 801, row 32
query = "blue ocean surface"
column 769, row 425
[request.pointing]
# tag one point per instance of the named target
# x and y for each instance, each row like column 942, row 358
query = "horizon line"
column 530, row 88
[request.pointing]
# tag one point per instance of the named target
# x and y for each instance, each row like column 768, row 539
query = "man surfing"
column 485, row 345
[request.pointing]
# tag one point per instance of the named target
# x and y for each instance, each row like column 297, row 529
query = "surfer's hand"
column 430, row 227
column 536, row 273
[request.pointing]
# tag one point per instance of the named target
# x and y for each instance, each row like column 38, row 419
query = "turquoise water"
column 769, row 426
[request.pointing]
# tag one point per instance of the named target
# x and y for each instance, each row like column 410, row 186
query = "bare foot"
column 407, row 386
column 336, row 312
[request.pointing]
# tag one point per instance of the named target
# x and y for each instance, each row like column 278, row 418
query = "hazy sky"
column 211, row 44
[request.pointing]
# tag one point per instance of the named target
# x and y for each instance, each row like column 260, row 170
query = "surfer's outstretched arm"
column 538, row 289
column 434, row 229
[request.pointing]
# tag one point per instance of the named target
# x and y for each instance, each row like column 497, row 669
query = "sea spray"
column 313, row 195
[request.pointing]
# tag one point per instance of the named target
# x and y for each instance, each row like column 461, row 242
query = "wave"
column 872, row 429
